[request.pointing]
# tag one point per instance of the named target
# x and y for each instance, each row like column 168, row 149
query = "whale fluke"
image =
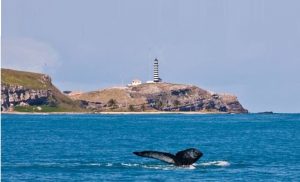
column 163, row 156
column 185, row 157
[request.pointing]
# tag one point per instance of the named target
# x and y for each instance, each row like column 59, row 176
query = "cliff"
column 159, row 97
column 32, row 92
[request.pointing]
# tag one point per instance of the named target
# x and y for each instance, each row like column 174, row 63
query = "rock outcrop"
column 18, row 95
column 19, row 88
column 160, row 97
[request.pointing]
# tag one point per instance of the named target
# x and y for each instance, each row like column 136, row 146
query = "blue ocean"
column 241, row 147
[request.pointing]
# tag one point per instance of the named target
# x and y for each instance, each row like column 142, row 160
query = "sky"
column 249, row 48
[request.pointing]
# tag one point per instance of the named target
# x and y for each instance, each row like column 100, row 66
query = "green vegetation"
column 42, row 108
column 58, row 102
column 112, row 103
column 25, row 79
column 131, row 108
column 176, row 103
column 143, row 107
column 159, row 105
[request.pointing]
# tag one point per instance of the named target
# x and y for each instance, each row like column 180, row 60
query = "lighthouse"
column 156, row 78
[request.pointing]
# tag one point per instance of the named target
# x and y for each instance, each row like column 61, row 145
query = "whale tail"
column 185, row 157
column 162, row 156
column 188, row 156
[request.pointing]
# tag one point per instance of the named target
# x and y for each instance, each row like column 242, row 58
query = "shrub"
column 131, row 108
column 112, row 103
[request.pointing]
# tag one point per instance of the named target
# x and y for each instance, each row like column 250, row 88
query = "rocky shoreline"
column 35, row 93
column 18, row 95
column 161, row 97
column 110, row 113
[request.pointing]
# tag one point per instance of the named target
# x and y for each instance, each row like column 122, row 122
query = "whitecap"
column 95, row 164
column 129, row 165
column 216, row 163
column 191, row 167
column 159, row 167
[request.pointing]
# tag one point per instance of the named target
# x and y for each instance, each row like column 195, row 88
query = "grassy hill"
column 160, row 97
column 57, row 102
column 42, row 96
column 25, row 79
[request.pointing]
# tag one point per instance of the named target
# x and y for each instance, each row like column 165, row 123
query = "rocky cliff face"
column 19, row 88
column 160, row 97
column 18, row 95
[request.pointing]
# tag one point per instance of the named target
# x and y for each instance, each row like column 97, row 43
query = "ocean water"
column 252, row 147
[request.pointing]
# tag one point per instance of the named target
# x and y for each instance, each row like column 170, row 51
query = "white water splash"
column 215, row 163
column 129, row 165
column 190, row 167
column 158, row 167
column 94, row 164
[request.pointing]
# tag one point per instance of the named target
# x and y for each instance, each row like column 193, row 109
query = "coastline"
column 110, row 113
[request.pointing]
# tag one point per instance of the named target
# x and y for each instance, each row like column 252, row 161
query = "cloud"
column 28, row 55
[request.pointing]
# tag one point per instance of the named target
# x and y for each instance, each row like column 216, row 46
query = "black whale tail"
column 185, row 157
column 188, row 156
column 138, row 153
column 163, row 156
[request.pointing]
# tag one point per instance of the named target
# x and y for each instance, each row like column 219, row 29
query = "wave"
column 215, row 163
column 150, row 166
column 121, row 165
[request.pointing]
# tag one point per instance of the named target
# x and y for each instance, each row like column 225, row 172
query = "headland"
column 27, row 92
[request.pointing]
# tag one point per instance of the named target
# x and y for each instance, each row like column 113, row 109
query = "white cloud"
column 28, row 55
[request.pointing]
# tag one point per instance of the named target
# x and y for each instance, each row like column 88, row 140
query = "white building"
column 135, row 82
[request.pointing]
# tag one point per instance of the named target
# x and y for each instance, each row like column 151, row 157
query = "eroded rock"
column 18, row 95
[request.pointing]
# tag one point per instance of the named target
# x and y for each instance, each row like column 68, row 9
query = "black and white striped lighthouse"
column 155, row 72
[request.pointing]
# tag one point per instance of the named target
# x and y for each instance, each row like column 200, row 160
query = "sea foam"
column 216, row 163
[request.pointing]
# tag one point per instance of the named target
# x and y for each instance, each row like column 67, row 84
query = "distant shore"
column 112, row 113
